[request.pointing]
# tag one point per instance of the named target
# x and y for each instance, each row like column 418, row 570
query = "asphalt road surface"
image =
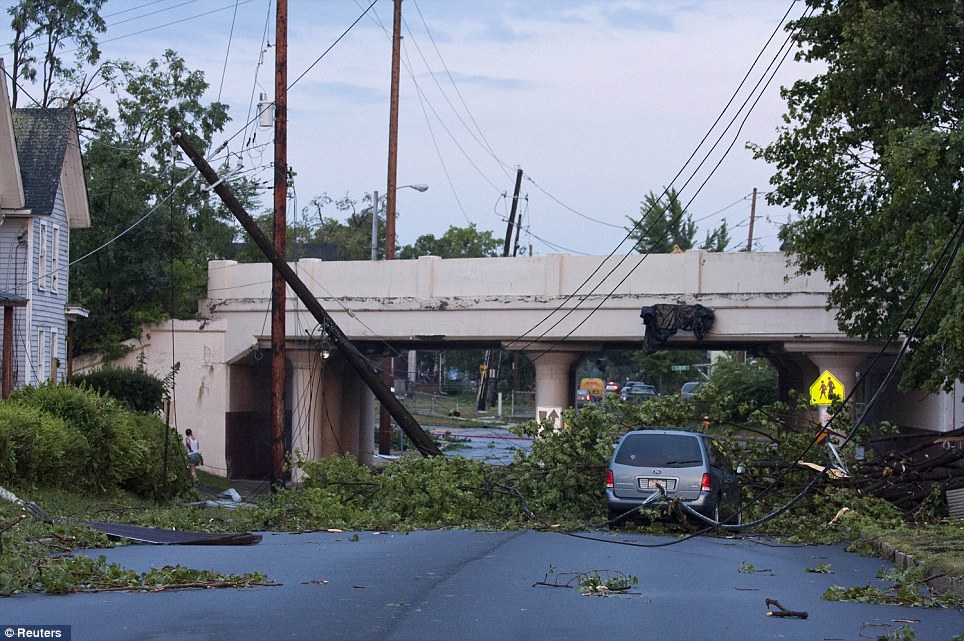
column 452, row 585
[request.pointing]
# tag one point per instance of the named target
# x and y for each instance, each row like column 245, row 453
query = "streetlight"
column 375, row 199
column 384, row 420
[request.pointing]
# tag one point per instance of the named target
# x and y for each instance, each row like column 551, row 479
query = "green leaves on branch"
column 872, row 161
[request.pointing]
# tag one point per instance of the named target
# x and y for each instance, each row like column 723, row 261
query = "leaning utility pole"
column 406, row 421
column 278, row 289
column 749, row 242
column 487, row 372
column 515, row 205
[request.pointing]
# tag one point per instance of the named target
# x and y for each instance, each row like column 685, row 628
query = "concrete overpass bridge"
column 556, row 308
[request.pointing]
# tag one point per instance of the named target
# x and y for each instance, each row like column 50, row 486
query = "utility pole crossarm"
column 406, row 421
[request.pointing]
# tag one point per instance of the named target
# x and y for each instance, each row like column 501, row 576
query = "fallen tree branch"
column 179, row 586
column 782, row 611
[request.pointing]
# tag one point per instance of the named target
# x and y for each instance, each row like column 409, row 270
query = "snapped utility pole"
column 749, row 242
column 515, row 205
column 487, row 373
column 423, row 443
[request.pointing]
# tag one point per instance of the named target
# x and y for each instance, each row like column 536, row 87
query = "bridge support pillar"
column 800, row 365
column 301, row 393
column 366, row 425
column 340, row 403
column 554, row 378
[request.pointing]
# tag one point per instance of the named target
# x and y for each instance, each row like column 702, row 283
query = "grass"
column 935, row 548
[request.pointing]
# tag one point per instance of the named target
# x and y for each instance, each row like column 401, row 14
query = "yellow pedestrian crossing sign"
column 826, row 389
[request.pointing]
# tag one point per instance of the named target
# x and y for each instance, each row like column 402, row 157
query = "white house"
column 43, row 195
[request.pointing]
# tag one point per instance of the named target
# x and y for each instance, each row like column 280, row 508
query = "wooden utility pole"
column 749, row 242
column 388, row 363
column 406, row 421
column 393, row 136
column 489, row 374
column 278, row 288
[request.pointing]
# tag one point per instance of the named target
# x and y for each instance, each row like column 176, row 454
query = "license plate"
column 654, row 484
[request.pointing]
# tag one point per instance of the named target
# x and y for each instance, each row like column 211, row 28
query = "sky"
column 598, row 102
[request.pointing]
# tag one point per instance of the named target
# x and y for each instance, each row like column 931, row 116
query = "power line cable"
column 675, row 220
column 480, row 139
column 438, row 152
column 455, row 86
column 134, row 8
column 147, row 15
column 709, row 130
column 331, row 46
column 175, row 22
column 781, row 56
column 227, row 53
column 947, row 257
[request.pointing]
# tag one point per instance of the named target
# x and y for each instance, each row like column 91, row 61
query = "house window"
column 54, row 354
column 41, row 355
column 42, row 257
column 55, row 261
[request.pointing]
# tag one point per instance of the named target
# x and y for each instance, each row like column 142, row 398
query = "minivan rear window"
column 659, row 450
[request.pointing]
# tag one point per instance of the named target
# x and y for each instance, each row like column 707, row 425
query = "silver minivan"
column 687, row 466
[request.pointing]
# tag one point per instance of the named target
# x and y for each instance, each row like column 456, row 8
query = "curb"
column 906, row 561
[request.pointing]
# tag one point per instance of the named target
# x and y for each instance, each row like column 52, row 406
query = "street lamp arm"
column 376, row 199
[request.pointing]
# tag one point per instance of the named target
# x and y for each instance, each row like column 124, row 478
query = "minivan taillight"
column 706, row 485
column 609, row 480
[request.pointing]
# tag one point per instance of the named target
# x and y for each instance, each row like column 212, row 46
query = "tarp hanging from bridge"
column 663, row 321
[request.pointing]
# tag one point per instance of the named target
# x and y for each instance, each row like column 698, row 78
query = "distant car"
column 690, row 390
column 612, row 387
column 630, row 385
column 639, row 393
column 583, row 397
column 690, row 467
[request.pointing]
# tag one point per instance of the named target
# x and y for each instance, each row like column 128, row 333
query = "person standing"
column 193, row 453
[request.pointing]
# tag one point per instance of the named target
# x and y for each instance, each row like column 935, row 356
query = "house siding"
column 47, row 176
column 13, row 256
column 46, row 306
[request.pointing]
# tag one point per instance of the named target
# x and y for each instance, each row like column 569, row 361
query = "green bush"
column 43, row 448
column 8, row 460
column 95, row 416
column 135, row 389
column 123, row 445
column 142, row 469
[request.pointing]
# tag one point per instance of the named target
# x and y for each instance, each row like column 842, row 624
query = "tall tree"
column 872, row 159
column 50, row 26
column 157, row 268
column 352, row 236
column 717, row 240
column 664, row 226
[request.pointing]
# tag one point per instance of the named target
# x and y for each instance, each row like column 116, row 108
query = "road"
column 455, row 585
column 493, row 445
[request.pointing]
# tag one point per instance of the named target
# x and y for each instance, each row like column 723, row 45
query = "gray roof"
column 42, row 136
